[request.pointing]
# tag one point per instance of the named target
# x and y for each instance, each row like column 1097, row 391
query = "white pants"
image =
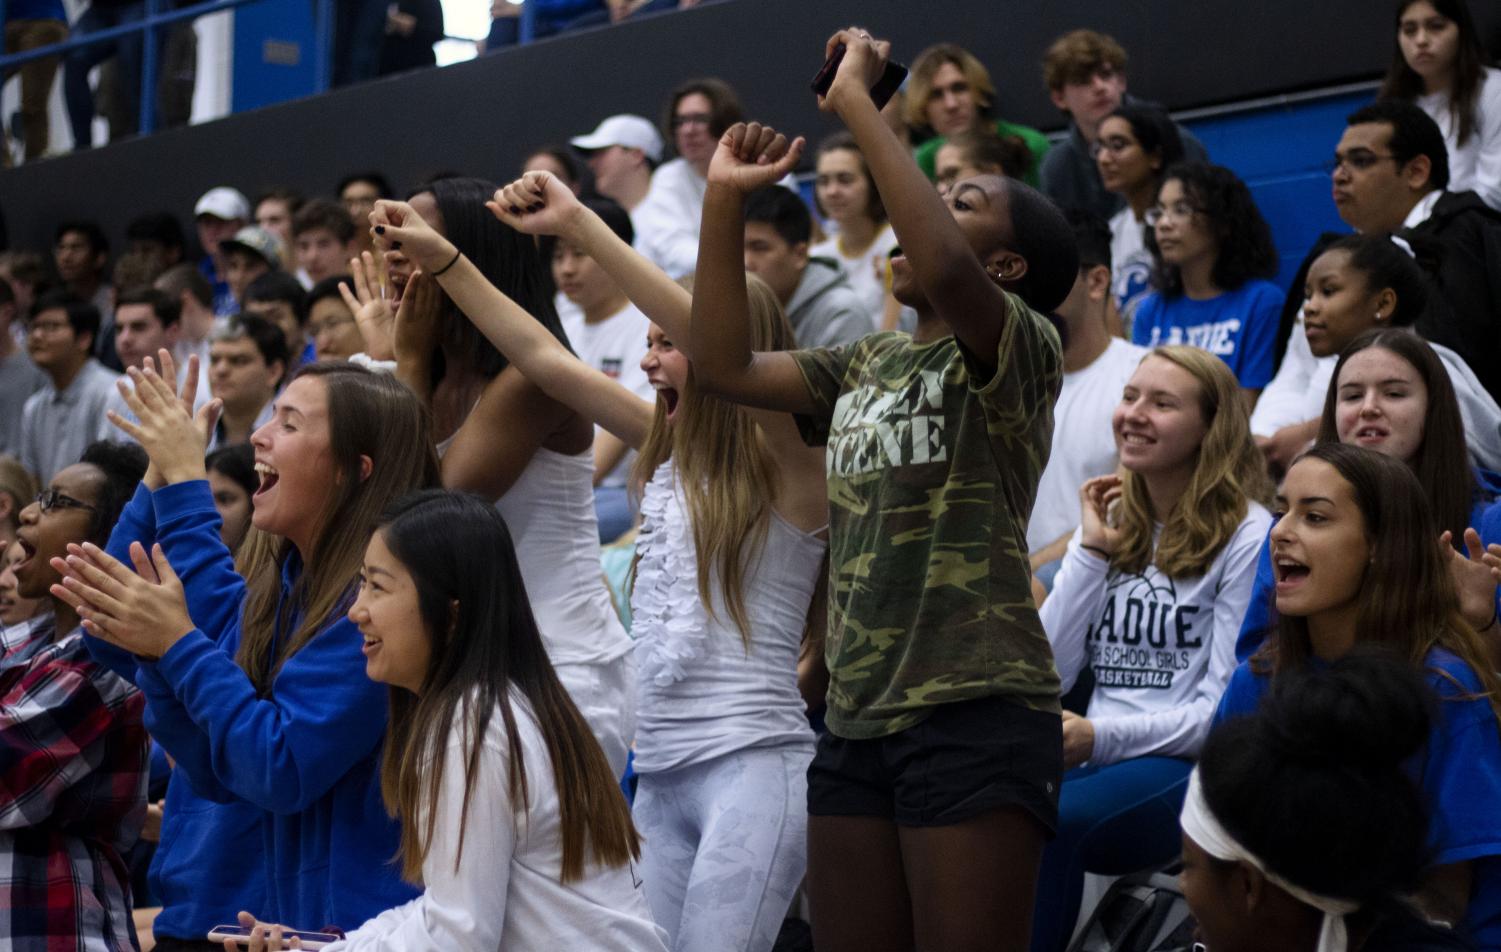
column 724, row 847
column 606, row 695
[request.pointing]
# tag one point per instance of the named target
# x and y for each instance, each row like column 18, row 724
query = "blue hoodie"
column 1485, row 518
column 305, row 758
column 198, row 889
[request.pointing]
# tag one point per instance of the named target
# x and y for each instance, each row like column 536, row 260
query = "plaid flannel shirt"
column 73, row 773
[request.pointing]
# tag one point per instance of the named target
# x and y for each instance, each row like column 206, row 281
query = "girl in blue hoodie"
column 255, row 678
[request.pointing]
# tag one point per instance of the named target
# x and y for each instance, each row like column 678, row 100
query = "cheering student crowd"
column 947, row 573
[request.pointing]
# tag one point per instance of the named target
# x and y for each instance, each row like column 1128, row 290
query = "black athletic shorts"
column 965, row 759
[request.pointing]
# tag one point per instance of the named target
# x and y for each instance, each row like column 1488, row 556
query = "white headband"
column 1199, row 823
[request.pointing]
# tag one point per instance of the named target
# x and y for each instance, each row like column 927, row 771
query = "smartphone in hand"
column 880, row 93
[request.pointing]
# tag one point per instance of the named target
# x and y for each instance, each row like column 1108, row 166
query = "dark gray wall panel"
column 481, row 117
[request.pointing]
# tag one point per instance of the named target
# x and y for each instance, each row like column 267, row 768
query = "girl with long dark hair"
column 1441, row 64
column 728, row 558
column 511, row 820
column 1359, row 561
column 1391, row 393
column 506, row 439
column 251, row 671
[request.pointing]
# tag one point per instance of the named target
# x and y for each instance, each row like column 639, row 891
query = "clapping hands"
column 144, row 611
column 166, row 425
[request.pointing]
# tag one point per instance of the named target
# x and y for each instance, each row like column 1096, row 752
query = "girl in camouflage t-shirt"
column 936, row 787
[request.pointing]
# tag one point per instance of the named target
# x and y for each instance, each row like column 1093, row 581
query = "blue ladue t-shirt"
column 1459, row 772
column 1239, row 327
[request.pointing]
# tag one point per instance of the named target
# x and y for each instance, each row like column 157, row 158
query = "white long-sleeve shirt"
column 1162, row 649
column 1476, row 165
column 1293, row 391
column 667, row 220
column 507, row 893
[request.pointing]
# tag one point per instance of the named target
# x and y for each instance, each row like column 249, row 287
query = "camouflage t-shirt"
column 931, row 480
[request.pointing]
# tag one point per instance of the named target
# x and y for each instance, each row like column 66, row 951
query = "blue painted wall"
column 267, row 35
column 1282, row 154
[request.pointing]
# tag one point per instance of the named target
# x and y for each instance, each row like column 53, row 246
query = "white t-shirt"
column 668, row 218
column 1083, row 442
column 507, row 892
column 1476, row 165
column 614, row 346
column 1293, row 392
column 866, row 271
column 567, row 310
column 1162, row 649
column 1130, row 264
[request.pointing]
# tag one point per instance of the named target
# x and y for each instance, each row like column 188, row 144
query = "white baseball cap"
column 627, row 130
column 224, row 203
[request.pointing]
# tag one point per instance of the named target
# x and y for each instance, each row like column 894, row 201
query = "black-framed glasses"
column 50, row 499
column 1356, row 161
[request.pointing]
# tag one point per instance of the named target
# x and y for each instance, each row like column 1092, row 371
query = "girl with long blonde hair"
column 729, row 553
column 1149, row 598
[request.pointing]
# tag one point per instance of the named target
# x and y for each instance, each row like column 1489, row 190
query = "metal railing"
column 150, row 25
column 158, row 17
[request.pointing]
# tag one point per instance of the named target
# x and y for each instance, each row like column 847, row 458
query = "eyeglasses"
column 1114, row 146
column 1355, row 161
column 1178, row 211
column 50, row 499
column 692, row 119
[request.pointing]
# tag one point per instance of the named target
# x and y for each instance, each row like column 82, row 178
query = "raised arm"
column 748, row 157
column 538, row 204
column 951, row 277
column 531, row 348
